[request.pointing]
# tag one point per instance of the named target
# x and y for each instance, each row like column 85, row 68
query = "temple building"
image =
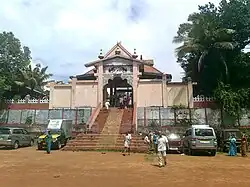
column 118, row 73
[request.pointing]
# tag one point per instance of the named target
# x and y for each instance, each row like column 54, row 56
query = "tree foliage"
column 16, row 73
column 211, row 52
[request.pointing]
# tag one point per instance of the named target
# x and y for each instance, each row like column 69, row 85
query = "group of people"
column 124, row 101
column 233, row 145
column 151, row 140
column 158, row 142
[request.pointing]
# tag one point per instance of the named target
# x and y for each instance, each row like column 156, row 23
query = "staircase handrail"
column 93, row 116
column 134, row 117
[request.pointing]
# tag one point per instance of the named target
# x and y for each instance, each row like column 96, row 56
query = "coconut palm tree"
column 219, row 40
column 33, row 78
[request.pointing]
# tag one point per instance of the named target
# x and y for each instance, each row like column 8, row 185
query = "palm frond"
column 224, row 45
column 24, row 74
column 19, row 83
column 43, row 70
column 178, row 39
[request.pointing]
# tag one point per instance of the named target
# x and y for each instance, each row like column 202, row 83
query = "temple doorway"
column 115, row 90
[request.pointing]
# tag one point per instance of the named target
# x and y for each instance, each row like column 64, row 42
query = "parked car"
column 223, row 136
column 200, row 138
column 174, row 142
column 61, row 131
column 15, row 137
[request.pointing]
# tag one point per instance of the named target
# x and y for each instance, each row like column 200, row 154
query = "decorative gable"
column 118, row 49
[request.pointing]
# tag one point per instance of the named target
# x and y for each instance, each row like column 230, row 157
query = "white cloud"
column 72, row 32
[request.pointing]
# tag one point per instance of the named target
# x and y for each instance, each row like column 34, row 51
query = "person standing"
column 121, row 102
column 162, row 143
column 232, row 146
column 48, row 141
column 243, row 145
column 155, row 142
column 107, row 104
column 127, row 141
column 147, row 141
column 151, row 140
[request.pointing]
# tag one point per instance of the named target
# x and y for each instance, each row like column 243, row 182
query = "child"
column 127, row 141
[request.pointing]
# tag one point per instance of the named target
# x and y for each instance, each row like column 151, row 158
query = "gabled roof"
column 111, row 57
column 147, row 69
column 124, row 54
column 151, row 69
column 112, row 51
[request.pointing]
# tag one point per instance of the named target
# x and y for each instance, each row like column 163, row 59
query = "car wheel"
column 59, row 145
column 185, row 150
column 16, row 145
column 190, row 152
column 225, row 149
column 31, row 143
column 65, row 142
column 213, row 153
column 39, row 147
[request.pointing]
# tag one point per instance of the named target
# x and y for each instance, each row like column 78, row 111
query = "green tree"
column 33, row 78
column 212, row 54
column 12, row 59
column 16, row 73
column 212, row 41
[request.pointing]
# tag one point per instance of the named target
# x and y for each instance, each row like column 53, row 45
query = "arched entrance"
column 115, row 89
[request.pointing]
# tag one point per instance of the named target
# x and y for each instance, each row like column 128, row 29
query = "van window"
column 204, row 132
column 17, row 131
column 4, row 131
column 24, row 131
column 189, row 132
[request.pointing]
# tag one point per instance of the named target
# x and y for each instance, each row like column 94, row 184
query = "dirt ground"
column 27, row 167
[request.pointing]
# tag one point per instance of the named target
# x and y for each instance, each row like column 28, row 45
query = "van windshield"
column 4, row 131
column 204, row 132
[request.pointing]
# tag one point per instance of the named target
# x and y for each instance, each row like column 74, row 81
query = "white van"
column 200, row 138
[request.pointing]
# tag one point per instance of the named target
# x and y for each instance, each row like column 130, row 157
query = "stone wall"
column 36, row 120
column 158, row 118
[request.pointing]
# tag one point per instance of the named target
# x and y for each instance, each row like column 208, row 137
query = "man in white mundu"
column 162, row 149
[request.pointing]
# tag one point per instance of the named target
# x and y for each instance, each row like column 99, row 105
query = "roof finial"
column 134, row 55
column 117, row 51
column 100, row 55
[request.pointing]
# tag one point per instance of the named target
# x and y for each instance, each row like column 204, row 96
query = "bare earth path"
column 27, row 167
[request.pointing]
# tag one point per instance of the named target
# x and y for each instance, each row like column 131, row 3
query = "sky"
column 65, row 35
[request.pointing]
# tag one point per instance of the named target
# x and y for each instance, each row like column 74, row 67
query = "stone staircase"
column 127, row 120
column 100, row 121
column 107, row 137
column 111, row 128
column 91, row 142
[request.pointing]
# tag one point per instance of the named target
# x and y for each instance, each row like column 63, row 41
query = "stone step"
column 95, row 143
column 127, row 119
column 90, row 148
column 111, row 138
column 106, row 133
column 100, row 121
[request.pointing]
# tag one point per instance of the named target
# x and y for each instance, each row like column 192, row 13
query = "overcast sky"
column 66, row 34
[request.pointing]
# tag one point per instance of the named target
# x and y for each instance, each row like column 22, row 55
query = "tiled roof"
column 151, row 69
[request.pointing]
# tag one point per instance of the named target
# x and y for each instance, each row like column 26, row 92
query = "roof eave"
column 116, row 56
column 152, row 73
